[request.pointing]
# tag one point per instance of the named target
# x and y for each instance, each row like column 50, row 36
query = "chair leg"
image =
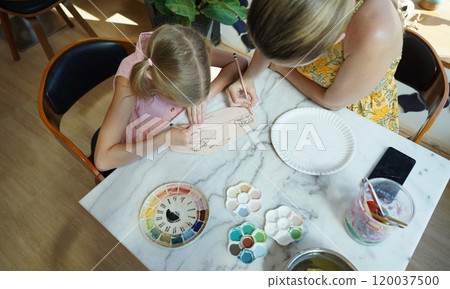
column 41, row 36
column 9, row 35
column 78, row 17
column 64, row 16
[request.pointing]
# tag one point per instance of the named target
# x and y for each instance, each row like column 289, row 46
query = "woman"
column 340, row 53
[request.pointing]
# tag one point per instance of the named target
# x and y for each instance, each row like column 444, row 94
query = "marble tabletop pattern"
column 322, row 200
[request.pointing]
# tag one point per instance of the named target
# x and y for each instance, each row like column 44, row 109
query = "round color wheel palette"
column 174, row 215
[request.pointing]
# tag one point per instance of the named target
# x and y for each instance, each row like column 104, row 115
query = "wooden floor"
column 42, row 225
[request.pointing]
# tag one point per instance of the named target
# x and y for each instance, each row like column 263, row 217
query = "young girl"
column 340, row 53
column 168, row 72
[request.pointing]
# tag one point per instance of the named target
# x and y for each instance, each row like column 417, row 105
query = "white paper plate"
column 313, row 140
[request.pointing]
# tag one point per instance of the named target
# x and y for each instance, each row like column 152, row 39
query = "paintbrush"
column 375, row 197
column 400, row 223
column 388, row 221
column 366, row 206
column 383, row 217
column 380, row 218
column 242, row 81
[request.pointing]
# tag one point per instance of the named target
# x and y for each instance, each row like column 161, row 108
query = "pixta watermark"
column 139, row 136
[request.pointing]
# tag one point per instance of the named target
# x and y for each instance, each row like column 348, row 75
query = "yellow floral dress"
column 381, row 106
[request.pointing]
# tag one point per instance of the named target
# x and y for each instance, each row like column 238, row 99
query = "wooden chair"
column 421, row 69
column 30, row 10
column 70, row 74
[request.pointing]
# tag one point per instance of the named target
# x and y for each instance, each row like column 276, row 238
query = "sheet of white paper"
column 220, row 128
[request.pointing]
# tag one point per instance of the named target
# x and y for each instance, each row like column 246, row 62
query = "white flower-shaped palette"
column 243, row 199
column 284, row 225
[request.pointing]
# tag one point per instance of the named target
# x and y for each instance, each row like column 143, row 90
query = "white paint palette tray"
column 284, row 225
column 243, row 199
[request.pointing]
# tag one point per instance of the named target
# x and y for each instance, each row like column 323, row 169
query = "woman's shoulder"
column 376, row 25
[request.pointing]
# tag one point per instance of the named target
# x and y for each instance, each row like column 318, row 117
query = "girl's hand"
column 196, row 113
column 236, row 96
column 181, row 135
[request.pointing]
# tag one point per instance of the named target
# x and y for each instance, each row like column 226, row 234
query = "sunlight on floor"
column 120, row 19
column 116, row 18
column 86, row 15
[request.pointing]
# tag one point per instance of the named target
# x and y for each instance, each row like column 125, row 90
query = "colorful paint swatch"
column 235, row 234
column 174, row 215
column 259, row 250
column 248, row 228
column 259, row 235
column 247, row 242
column 150, row 223
column 247, row 256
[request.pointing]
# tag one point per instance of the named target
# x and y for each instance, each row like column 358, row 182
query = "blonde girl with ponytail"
column 339, row 53
column 169, row 72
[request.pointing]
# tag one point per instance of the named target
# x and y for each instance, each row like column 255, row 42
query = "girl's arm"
column 225, row 60
column 110, row 152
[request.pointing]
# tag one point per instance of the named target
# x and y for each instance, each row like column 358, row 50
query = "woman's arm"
column 110, row 152
column 373, row 40
column 258, row 64
column 358, row 76
column 369, row 53
column 225, row 60
column 228, row 74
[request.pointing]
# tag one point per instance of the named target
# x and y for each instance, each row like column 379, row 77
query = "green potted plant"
column 203, row 15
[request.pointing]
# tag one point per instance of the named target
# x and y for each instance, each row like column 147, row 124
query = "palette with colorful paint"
column 284, row 225
column 247, row 242
column 243, row 199
column 174, row 215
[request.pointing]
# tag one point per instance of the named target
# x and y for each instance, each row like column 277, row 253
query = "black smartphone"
column 393, row 165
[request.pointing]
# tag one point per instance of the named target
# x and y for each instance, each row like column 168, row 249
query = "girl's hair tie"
column 150, row 61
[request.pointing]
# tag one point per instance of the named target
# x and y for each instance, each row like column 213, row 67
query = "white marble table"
column 323, row 200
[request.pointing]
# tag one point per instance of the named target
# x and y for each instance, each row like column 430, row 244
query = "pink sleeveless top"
column 152, row 114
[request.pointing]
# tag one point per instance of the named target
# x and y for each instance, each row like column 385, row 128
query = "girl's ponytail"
column 139, row 80
column 180, row 69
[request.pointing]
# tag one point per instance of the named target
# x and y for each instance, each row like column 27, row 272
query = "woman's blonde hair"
column 180, row 69
column 297, row 30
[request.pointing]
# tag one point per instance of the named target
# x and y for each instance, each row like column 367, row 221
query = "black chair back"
column 421, row 69
column 418, row 66
column 79, row 70
column 26, row 7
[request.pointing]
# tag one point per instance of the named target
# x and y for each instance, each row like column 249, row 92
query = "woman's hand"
column 196, row 113
column 236, row 96
column 181, row 135
column 235, row 90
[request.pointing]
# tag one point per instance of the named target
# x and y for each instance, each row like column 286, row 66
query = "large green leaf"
column 224, row 11
column 220, row 14
column 234, row 5
column 160, row 5
column 182, row 20
column 183, row 8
